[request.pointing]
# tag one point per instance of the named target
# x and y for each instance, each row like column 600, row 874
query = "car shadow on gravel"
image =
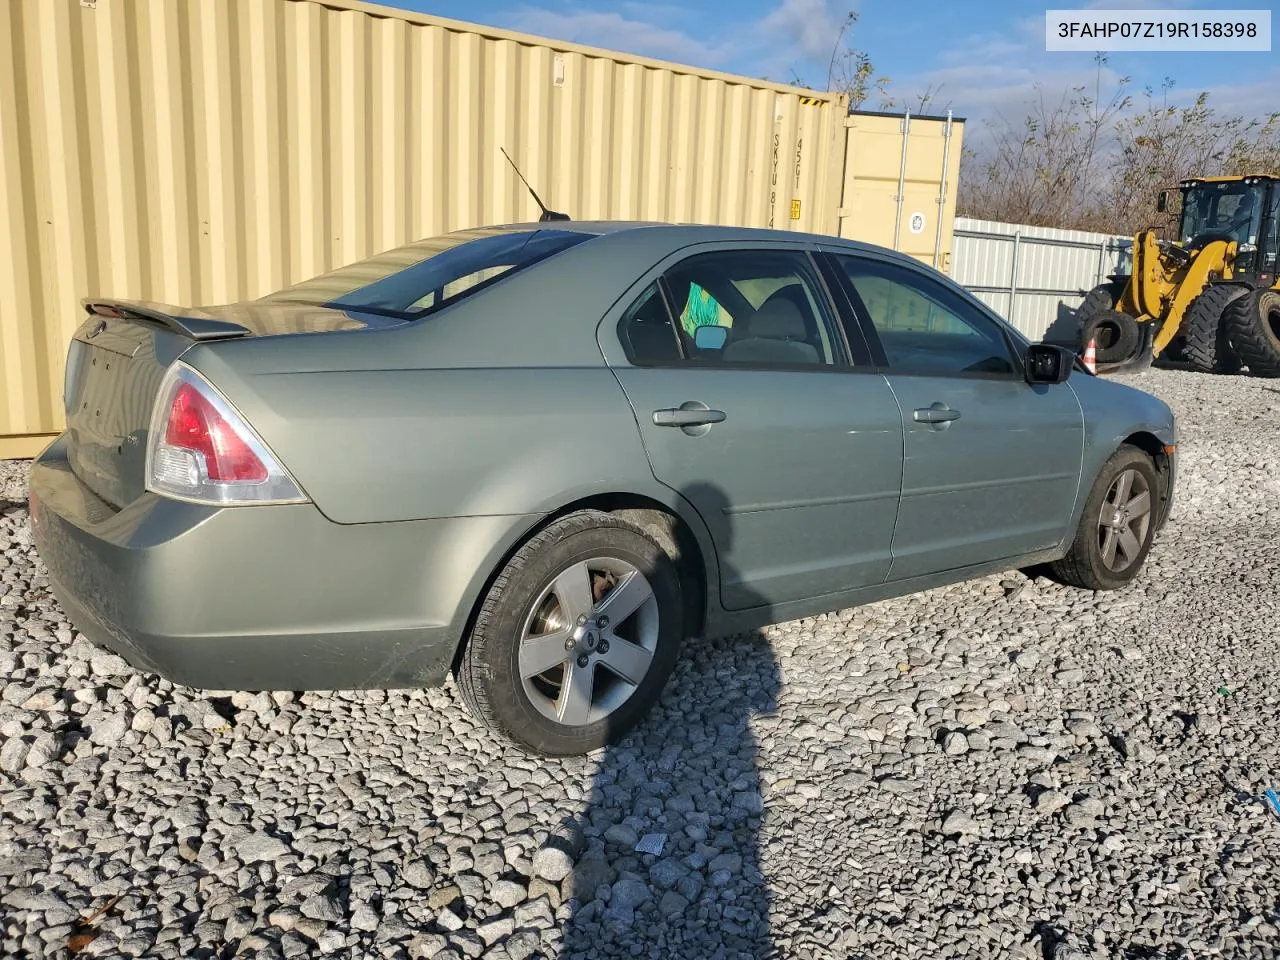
column 671, row 864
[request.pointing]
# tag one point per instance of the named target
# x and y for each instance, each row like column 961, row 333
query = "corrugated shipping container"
column 900, row 177
column 207, row 151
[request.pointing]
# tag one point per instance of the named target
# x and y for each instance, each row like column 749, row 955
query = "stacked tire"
column 1115, row 335
column 1097, row 300
column 1252, row 322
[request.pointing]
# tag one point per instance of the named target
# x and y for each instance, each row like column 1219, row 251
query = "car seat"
column 776, row 333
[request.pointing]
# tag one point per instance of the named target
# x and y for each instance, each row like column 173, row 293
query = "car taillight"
column 196, row 427
column 201, row 449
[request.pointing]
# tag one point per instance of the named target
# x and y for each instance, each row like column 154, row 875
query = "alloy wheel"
column 1124, row 520
column 588, row 641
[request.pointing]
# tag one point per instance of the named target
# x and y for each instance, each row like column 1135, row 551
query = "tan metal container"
column 900, row 177
column 206, row 151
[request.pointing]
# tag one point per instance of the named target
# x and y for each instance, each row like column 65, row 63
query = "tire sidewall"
column 1256, row 342
column 1127, row 343
column 1124, row 459
column 1208, row 341
column 1103, row 297
column 505, row 612
column 1264, row 304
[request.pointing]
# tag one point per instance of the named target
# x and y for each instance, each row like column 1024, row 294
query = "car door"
column 991, row 463
column 791, row 454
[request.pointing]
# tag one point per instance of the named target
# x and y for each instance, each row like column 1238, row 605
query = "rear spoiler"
column 195, row 328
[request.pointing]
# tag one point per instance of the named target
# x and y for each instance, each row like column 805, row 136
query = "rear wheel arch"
column 676, row 534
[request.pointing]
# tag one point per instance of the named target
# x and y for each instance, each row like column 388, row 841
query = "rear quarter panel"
column 500, row 405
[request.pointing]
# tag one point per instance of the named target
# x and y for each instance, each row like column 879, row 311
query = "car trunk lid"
column 119, row 355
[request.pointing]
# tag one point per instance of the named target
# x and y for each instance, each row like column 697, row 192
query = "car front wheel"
column 1117, row 527
column 576, row 637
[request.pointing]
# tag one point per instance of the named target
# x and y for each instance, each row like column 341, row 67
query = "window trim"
column 832, row 318
column 624, row 323
column 860, row 317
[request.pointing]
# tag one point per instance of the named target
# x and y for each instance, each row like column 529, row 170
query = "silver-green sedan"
column 540, row 457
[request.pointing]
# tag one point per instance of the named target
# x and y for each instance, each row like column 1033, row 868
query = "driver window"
column 924, row 327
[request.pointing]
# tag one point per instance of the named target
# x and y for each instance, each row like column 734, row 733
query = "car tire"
column 1102, row 557
column 1116, row 336
column 1208, row 346
column 560, row 585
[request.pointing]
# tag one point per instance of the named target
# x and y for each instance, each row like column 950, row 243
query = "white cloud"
column 1256, row 98
column 994, row 75
column 983, row 76
column 793, row 34
column 807, row 27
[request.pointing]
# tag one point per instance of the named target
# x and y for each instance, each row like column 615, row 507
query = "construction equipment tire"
column 1207, row 345
column 1102, row 297
column 1253, row 323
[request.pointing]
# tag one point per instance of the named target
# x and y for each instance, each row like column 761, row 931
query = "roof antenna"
column 546, row 214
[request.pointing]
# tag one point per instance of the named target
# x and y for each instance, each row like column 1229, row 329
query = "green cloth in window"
column 702, row 309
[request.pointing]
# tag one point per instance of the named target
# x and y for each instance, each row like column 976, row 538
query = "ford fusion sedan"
column 541, row 457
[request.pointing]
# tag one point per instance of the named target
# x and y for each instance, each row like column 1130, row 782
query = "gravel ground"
column 1000, row 769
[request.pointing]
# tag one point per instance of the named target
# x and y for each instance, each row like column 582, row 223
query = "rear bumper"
column 260, row 597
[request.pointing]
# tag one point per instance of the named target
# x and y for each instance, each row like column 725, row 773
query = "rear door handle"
column 937, row 412
column 679, row 417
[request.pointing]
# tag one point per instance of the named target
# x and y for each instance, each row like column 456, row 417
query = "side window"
column 648, row 330
column 923, row 326
column 768, row 305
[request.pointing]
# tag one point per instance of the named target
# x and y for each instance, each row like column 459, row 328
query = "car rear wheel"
column 576, row 637
column 1117, row 526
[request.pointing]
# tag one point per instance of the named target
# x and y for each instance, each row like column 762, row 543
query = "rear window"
column 422, row 277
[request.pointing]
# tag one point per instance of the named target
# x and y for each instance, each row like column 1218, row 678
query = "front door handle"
column 937, row 412
column 681, row 417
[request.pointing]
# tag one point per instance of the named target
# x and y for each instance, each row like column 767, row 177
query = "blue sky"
column 981, row 58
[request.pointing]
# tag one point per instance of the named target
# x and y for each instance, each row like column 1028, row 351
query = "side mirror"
column 710, row 337
column 1047, row 363
column 1162, row 201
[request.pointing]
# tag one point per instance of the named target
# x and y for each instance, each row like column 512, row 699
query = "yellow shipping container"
column 205, row 151
column 900, row 177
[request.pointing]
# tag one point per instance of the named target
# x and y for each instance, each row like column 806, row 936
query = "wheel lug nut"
column 583, row 660
column 603, row 647
column 602, row 622
column 582, row 618
column 569, row 644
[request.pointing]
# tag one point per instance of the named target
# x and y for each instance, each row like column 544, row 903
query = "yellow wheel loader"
column 1210, row 298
